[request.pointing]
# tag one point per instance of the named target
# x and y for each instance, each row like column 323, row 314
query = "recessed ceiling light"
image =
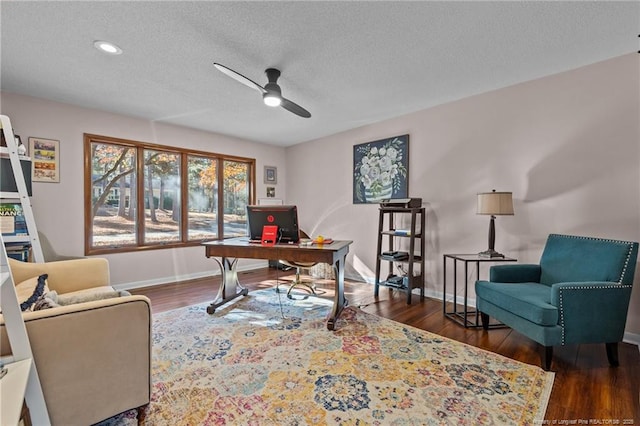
column 106, row 47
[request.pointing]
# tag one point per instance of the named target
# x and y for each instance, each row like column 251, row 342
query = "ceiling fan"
column 271, row 93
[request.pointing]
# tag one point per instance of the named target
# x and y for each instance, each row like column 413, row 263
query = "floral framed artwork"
column 270, row 175
column 381, row 170
column 45, row 157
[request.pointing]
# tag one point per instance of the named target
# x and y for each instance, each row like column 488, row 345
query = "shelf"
column 12, row 388
column 401, row 237
column 400, row 209
column 9, row 196
column 16, row 239
column 393, row 285
column 403, row 260
column 4, row 153
column 395, row 234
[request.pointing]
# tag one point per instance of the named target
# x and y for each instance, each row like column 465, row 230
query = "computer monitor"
column 285, row 217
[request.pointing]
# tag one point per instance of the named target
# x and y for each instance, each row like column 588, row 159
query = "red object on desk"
column 269, row 235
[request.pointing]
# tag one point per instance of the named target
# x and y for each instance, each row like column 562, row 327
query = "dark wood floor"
column 586, row 389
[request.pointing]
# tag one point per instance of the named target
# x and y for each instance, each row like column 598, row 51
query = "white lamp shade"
column 495, row 203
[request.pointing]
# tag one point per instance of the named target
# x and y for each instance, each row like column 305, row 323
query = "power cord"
column 278, row 279
column 278, row 292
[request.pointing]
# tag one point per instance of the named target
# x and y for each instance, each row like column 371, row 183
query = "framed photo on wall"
column 45, row 158
column 271, row 191
column 270, row 175
column 381, row 170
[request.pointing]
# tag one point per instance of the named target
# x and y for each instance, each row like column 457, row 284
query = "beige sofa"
column 93, row 358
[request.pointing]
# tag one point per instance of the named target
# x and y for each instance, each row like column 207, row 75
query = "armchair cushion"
column 52, row 299
column 531, row 301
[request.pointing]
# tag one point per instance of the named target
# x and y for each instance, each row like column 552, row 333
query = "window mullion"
column 141, row 199
column 220, row 207
column 184, row 198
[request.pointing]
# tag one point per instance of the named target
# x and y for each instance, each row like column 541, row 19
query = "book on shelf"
column 395, row 255
column 402, row 232
column 19, row 251
column 12, row 221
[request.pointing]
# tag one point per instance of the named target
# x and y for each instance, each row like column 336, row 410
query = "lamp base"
column 490, row 253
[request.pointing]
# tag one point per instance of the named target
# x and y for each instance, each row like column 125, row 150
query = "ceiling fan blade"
column 239, row 77
column 295, row 108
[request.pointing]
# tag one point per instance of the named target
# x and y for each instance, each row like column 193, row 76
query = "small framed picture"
column 45, row 157
column 271, row 191
column 270, row 175
column 22, row 150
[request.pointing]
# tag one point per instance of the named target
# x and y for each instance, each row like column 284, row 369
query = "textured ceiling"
column 348, row 63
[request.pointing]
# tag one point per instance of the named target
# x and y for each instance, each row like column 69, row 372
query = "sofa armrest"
column 520, row 273
column 64, row 276
column 93, row 359
column 581, row 308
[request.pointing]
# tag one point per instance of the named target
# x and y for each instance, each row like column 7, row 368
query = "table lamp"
column 494, row 203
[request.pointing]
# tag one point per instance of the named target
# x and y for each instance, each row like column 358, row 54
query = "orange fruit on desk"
column 319, row 239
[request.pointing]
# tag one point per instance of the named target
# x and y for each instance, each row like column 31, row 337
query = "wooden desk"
column 230, row 250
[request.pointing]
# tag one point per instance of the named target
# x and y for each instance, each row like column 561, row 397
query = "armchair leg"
column 612, row 354
column 142, row 413
column 485, row 320
column 546, row 357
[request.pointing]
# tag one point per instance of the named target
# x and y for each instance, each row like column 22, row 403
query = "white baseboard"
column 180, row 278
column 632, row 338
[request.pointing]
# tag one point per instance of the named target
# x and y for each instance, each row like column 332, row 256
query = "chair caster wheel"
column 211, row 310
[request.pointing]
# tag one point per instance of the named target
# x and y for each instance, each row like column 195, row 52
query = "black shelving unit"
column 410, row 261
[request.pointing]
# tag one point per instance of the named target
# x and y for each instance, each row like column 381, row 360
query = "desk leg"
column 230, row 287
column 339, row 301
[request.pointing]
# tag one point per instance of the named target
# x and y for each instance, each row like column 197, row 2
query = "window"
column 144, row 196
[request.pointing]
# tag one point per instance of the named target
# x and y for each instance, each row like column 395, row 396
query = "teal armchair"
column 579, row 293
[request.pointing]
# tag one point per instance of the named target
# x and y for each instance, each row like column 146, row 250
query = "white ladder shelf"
column 22, row 381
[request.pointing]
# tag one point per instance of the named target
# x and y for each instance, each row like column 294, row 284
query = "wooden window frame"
column 140, row 199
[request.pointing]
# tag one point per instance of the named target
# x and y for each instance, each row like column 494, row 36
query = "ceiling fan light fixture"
column 271, row 92
column 107, row 47
column 271, row 99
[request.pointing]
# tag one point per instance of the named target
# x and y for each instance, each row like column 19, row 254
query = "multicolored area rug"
column 268, row 360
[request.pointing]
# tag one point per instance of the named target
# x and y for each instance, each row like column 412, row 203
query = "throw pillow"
column 72, row 298
column 52, row 299
column 46, row 301
column 29, row 291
